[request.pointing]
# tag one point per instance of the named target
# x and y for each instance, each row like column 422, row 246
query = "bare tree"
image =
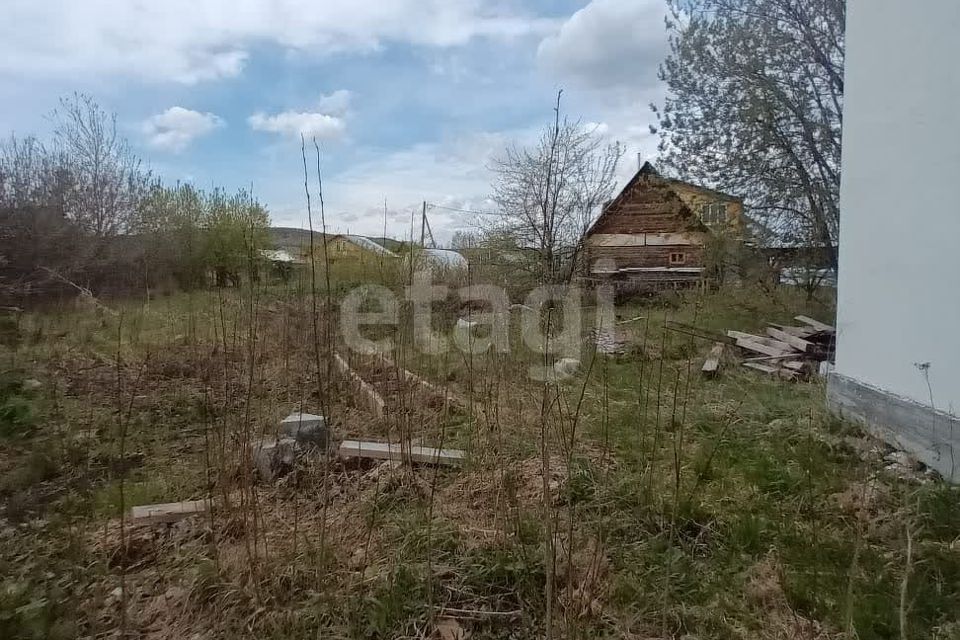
column 34, row 187
column 548, row 194
column 465, row 240
column 31, row 174
column 109, row 180
column 754, row 106
column 81, row 214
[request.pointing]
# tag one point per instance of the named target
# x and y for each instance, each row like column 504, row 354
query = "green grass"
column 18, row 407
column 691, row 488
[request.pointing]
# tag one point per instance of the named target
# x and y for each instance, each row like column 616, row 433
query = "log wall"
column 651, row 219
column 647, row 256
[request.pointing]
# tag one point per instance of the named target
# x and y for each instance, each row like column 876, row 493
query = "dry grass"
column 733, row 508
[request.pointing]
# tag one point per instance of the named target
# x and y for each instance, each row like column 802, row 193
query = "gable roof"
column 720, row 195
column 445, row 258
column 367, row 244
column 649, row 171
column 278, row 255
column 390, row 244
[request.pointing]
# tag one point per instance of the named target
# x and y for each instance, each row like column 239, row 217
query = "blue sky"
column 409, row 99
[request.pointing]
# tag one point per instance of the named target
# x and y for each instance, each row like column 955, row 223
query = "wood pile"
column 712, row 364
column 788, row 352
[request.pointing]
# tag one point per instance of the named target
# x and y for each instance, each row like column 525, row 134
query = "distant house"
column 390, row 244
column 790, row 260
column 282, row 261
column 803, row 265
column 653, row 234
column 360, row 248
column 280, row 256
column 442, row 259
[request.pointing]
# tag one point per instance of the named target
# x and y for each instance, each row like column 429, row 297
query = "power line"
column 473, row 211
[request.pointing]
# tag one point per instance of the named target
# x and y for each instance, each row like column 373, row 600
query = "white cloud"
column 611, row 50
column 599, row 128
column 451, row 172
column 326, row 122
column 609, row 44
column 174, row 129
column 336, row 103
column 188, row 41
column 294, row 123
column 211, row 65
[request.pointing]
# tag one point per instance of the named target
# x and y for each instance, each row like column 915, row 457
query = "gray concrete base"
column 933, row 437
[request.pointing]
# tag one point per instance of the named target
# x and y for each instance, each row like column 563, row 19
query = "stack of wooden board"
column 789, row 352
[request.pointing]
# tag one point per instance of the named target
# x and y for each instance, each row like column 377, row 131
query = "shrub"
column 17, row 407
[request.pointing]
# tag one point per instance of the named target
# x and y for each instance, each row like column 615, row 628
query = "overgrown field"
column 636, row 500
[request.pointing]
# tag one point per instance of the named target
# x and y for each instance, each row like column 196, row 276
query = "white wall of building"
column 899, row 286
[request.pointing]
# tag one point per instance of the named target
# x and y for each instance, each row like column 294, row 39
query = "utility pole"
column 413, row 217
column 423, row 224
column 433, row 241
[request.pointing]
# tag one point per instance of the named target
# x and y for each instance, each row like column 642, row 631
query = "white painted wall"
column 899, row 287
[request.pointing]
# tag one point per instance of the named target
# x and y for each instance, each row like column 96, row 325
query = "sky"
column 409, row 100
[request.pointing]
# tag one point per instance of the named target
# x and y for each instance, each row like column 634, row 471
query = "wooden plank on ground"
column 394, row 451
column 167, row 512
column 782, row 356
column 770, row 342
column 696, row 332
column 759, row 347
column 797, row 343
column 712, row 364
column 800, row 332
column 783, row 373
column 816, row 324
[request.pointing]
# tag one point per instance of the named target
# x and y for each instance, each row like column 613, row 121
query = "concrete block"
column 305, row 428
column 369, row 396
column 929, row 435
column 275, row 458
column 394, row 451
column 168, row 512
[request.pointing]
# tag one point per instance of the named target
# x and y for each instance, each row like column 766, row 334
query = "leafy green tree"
column 236, row 230
column 754, row 107
column 171, row 221
column 190, row 233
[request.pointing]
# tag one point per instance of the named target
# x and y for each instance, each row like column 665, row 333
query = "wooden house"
column 654, row 234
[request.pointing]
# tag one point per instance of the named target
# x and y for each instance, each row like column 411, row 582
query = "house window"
column 713, row 213
column 677, row 258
